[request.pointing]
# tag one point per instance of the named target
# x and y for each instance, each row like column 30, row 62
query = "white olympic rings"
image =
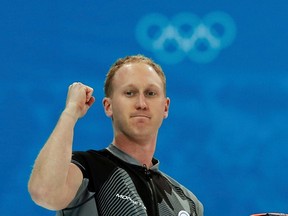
column 186, row 35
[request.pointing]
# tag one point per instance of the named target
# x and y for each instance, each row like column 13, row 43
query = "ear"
column 107, row 107
column 167, row 104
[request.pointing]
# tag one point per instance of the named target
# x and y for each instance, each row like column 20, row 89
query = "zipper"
column 152, row 190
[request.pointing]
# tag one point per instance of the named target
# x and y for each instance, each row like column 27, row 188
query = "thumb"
column 91, row 101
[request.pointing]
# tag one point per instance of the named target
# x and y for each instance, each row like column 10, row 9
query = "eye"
column 151, row 93
column 129, row 93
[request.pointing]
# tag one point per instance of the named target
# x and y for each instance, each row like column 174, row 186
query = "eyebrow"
column 134, row 86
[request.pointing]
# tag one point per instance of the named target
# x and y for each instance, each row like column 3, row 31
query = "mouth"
column 140, row 116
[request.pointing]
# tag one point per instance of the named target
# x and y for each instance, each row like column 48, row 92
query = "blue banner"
column 226, row 137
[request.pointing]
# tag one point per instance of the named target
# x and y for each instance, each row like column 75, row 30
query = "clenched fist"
column 79, row 99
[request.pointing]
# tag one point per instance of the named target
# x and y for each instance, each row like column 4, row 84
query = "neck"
column 140, row 150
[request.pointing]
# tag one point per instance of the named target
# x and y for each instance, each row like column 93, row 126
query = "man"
column 124, row 178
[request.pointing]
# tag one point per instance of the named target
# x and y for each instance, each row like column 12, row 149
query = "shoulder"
column 86, row 157
column 91, row 158
column 96, row 166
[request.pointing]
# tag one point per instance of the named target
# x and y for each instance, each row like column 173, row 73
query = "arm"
column 55, row 180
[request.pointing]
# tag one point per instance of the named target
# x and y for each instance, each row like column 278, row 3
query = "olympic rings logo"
column 171, row 40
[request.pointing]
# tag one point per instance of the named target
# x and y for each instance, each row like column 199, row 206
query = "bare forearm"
column 52, row 164
column 54, row 180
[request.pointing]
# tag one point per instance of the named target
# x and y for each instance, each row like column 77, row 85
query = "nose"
column 141, row 102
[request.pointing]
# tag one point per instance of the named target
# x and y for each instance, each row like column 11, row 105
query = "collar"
column 128, row 159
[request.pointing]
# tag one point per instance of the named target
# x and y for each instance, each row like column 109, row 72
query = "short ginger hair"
column 108, row 88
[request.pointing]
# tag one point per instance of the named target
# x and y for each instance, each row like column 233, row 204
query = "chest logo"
column 183, row 213
column 124, row 197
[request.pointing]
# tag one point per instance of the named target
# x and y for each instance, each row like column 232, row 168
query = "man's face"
column 138, row 103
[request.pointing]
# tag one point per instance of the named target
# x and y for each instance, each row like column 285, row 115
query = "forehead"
column 137, row 73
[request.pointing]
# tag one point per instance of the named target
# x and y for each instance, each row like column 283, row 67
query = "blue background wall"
column 226, row 137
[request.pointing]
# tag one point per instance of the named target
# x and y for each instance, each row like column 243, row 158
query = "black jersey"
column 116, row 184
